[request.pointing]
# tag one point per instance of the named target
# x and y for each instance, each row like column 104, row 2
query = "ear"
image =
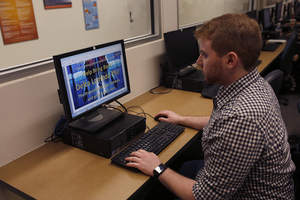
column 232, row 59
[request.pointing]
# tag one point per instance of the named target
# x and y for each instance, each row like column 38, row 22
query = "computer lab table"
column 268, row 57
column 59, row 171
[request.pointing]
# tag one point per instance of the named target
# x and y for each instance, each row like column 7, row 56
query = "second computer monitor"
column 182, row 49
column 266, row 21
column 252, row 14
column 278, row 11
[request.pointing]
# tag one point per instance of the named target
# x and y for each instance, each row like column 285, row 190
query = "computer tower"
column 108, row 140
column 193, row 82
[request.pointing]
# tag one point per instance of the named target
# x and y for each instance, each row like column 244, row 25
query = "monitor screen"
column 289, row 11
column 91, row 77
column 252, row 14
column 182, row 49
column 278, row 11
column 266, row 19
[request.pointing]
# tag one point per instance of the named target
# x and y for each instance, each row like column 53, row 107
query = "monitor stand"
column 186, row 70
column 95, row 120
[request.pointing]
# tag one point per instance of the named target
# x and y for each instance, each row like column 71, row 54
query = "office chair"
column 295, row 152
column 286, row 64
column 274, row 78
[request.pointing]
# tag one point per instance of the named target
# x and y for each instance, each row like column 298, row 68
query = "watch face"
column 159, row 169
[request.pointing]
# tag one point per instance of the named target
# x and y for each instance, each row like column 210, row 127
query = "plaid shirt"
column 245, row 146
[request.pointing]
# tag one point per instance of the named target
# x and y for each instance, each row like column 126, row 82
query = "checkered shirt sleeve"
column 245, row 145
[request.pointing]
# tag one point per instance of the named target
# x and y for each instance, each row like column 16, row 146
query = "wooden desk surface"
column 59, row 171
column 268, row 57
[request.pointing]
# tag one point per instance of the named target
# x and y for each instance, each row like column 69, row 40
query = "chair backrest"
column 286, row 63
column 274, row 78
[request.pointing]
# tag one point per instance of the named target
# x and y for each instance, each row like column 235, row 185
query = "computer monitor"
column 182, row 50
column 278, row 11
column 295, row 5
column 91, row 77
column 265, row 14
column 288, row 11
column 252, row 14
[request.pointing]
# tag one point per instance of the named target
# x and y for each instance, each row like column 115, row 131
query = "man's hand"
column 144, row 161
column 171, row 116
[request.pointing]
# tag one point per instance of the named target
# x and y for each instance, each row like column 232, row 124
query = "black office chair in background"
column 286, row 65
column 274, row 78
column 295, row 151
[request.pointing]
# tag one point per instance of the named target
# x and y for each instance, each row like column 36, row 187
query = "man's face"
column 210, row 63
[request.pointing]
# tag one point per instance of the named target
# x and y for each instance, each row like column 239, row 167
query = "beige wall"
column 30, row 107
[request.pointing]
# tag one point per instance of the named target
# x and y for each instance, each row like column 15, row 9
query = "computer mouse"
column 157, row 118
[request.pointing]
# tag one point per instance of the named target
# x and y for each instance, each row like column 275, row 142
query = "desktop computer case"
column 193, row 82
column 110, row 139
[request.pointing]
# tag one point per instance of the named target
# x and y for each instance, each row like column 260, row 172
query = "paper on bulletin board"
column 17, row 21
column 49, row 4
column 90, row 10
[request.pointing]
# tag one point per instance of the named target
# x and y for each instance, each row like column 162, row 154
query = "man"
column 244, row 141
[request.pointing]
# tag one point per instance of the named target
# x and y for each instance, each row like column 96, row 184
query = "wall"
column 63, row 30
column 30, row 107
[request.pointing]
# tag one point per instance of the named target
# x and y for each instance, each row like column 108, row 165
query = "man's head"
column 233, row 33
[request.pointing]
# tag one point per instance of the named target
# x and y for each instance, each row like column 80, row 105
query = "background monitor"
column 252, row 14
column 265, row 14
column 288, row 12
column 182, row 49
column 278, row 11
column 91, row 77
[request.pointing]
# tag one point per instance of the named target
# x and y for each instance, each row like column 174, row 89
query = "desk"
column 268, row 57
column 60, row 171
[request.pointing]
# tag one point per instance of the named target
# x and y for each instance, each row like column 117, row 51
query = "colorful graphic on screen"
column 96, row 78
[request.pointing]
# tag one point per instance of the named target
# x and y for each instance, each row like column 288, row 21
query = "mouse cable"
column 58, row 130
column 143, row 113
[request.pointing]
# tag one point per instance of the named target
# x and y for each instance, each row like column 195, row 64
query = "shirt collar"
column 226, row 94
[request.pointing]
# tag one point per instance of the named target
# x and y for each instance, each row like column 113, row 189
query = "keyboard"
column 270, row 47
column 154, row 140
column 210, row 91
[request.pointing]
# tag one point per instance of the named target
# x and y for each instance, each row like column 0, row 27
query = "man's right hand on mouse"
column 168, row 116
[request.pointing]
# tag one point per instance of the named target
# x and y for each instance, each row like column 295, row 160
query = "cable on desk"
column 143, row 114
column 58, row 130
column 174, row 81
column 125, row 110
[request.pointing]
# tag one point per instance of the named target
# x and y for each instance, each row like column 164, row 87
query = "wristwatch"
column 159, row 170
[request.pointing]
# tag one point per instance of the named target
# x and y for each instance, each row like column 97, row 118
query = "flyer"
column 90, row 10
column 17, row 21
column 49, row 4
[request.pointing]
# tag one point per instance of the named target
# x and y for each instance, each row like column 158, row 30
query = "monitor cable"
column 58, row 130
column 125, row 110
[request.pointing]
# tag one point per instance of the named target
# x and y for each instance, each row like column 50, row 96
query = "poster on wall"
column 90, row 10
column 17, row 21
column 50, row 4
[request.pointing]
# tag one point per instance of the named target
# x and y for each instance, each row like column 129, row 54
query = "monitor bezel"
column 64, row 98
